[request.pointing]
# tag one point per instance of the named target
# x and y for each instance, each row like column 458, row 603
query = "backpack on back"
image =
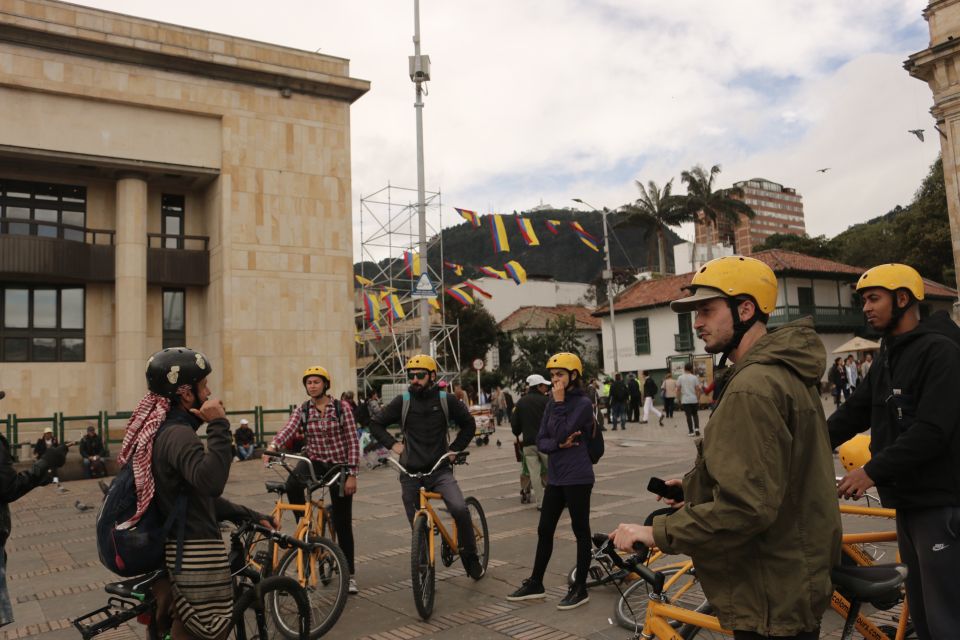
column 595, row 444
column 405, row 408
column 139, row 549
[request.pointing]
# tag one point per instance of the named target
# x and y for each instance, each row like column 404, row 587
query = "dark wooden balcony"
column 55, row 252
column 178, row 261
column 832, row 318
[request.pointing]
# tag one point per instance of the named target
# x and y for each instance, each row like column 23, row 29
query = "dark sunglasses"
column 416, row 375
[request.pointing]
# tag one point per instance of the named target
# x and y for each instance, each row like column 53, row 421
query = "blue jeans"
column 618, row 413
column 244, row 452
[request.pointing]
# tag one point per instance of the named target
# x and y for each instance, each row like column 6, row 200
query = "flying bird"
column 824, row 170
column 917, row 132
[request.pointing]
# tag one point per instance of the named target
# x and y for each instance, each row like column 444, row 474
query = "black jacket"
column 618, row 391
column 13, row 485
column 526, row 417
column 909, row 400
column 633, row 386
column 91, row 446
column 650, row 388
column 180, row 465
column 425, row 434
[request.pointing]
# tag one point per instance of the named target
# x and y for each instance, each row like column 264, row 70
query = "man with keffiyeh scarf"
column 169, row 461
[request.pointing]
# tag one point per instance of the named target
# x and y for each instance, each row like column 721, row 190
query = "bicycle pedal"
column 596, row 573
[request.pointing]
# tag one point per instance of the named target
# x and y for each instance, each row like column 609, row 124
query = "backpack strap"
column 404, row 410
column 444, row 406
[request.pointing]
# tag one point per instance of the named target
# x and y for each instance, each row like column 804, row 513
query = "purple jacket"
column 572, row 465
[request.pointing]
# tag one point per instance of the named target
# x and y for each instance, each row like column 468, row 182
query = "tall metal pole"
column 418, row 78
column 608, row 276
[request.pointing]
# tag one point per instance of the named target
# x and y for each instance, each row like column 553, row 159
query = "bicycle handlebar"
column 634, row 563
column 282, row 457
column 281, row 539
column 461, row 458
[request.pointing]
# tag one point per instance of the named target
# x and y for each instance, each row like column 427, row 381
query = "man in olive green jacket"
column 760, row 518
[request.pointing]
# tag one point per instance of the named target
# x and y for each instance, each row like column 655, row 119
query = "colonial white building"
column 650, row 336
column 527, row 321
column 536, row 292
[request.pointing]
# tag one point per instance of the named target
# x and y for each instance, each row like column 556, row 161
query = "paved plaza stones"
column 54, row 574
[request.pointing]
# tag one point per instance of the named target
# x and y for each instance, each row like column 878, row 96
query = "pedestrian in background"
column 649, row 393
column 636, row 398
column 619, row 397
column 525, row 424
column 690, row 389
column 669, row 389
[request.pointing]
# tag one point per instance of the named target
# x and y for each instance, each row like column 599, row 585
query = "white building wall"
column 663, row 325
column 509, row 296
column 824, row 291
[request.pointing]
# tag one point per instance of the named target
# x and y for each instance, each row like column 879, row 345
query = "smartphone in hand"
column 669, row 491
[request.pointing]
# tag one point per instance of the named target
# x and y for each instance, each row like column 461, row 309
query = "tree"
column 534, row 350
column 715, row 206
column 477, row 331
column 819, row 247
column 659, row 209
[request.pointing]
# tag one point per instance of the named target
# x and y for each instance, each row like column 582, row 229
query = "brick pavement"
column 54, row 574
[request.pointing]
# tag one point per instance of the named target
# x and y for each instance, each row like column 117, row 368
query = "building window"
column 174, row 318
column 171, row 211
column 641, row 336
column 45, row 210
column 684, row 324
column 41, row 324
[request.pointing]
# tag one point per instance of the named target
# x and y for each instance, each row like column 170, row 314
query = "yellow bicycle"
column 427, row 525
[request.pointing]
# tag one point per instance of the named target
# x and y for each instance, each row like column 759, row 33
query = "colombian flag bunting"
column 585, row 236
column 476, row 289
column 371, row 307
column 498, row 233
column 411, row 263
column 356, row 337
column 364, row 282
column 393, row 306
column 433, row 303
column 457, row 268
column 469, row 216
column 493, row 273
column 553, row 226
column 375, row 330
column 460, row 296
column 517, row 272
column 527, row 233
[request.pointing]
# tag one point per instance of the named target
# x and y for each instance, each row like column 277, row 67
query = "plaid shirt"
column 326, row 441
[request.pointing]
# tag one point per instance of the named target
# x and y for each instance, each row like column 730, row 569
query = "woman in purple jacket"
column 566, row 425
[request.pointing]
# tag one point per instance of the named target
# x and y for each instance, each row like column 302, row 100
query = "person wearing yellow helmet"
column 424, row 413
column 909, row 402
column 567, row 426
column 760, row 501
column 329, row 433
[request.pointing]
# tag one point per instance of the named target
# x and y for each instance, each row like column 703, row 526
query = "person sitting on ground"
column 91, row 452
column 244, row 438
column 47, row 440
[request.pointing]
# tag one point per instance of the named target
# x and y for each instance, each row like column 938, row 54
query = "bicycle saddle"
column 276, row 487
column 864, row 583
column 131, row 587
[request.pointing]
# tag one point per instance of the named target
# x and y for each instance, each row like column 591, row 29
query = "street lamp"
column 608, row 276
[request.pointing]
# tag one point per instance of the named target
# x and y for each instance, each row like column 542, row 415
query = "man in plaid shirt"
column 330, row 438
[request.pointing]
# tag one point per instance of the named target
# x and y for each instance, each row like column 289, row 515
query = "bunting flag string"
column 585, row 236
column 356, row 337
column 434, row 303
column 498, row 233
column 493, row 273
column 457, row 268
column 460, row 296
column 526, row 232
column 469, row 216
column 393, row 306
column 364, row 282
column 411, row 263
column 376, row 331
column 476, row 289
column 371, row 307
column 516, row 271
column 553, row 226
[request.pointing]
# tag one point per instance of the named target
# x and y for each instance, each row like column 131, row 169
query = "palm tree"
column 660, row 209
column 716, row 206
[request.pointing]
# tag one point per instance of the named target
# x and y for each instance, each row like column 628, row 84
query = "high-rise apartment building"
column 778, row 209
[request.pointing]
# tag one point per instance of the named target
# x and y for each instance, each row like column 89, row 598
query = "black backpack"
column 138, row 549
column 305, row 412
column 595, row 445
column 363, row 414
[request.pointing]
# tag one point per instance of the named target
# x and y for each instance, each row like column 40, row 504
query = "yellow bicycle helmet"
column 892, row 277
column 564, row 360
column 422, row 361
column 316, row 371
column 731, row 276
column 855, row 452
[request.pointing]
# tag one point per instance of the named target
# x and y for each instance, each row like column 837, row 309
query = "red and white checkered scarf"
column 138, row 440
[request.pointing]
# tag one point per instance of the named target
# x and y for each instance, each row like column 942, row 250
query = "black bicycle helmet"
column 171, row 368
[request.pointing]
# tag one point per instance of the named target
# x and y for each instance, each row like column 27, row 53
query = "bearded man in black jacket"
column 910, row 403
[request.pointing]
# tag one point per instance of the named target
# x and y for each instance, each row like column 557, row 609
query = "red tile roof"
column 537, row 317
column 652, row 293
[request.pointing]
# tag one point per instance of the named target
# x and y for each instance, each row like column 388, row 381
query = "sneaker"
column 472, row 564
column 661, row 421
column 529, row 589
column 575, row 597
column 690, row 434
column 696, row 434
column 352, row 587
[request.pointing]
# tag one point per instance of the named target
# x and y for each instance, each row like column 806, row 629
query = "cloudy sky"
column 546, row 100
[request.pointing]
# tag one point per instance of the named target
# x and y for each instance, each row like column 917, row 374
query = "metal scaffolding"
column 388, row 228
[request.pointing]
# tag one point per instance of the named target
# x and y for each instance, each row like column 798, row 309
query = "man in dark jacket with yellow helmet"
column 760, row 520
column 909, row 401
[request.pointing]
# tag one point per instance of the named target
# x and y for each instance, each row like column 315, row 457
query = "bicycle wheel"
column 480, row 530
column 325, row 578
column 597, row 574
column 260, row 607
column 422, row 568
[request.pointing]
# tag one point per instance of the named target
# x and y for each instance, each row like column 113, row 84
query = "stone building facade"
column 161, row 185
